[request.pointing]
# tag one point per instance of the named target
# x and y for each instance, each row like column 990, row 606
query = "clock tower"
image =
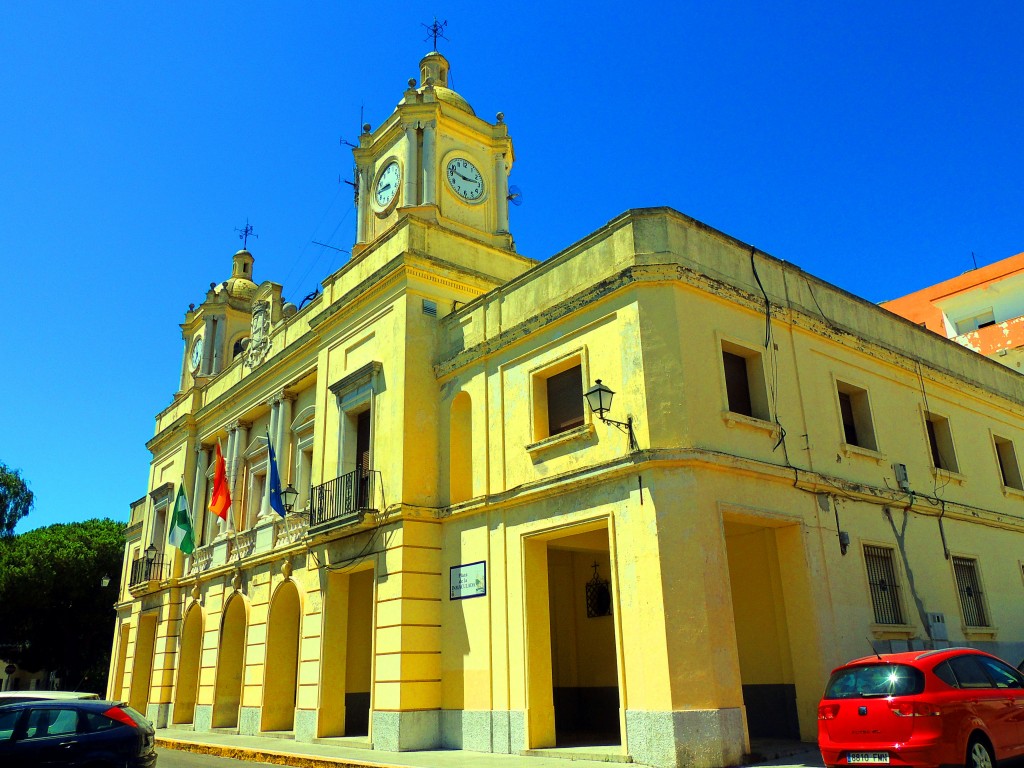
column 433, row 158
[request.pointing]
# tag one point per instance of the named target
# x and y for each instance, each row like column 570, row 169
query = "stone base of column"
column 499, row 731
column 157, row 713
column 696, row 738
column 202, row 721
column 305, row 725
column 405, row 731
column 249, row 721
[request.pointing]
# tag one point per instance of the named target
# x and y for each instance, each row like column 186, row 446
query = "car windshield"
column 874, row 680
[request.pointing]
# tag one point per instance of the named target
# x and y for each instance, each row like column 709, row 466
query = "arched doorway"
column 190, row 649
column 280, row 676
column 230, row 664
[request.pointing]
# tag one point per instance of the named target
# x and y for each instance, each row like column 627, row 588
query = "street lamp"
column 599, row 398
column 150, row 559
column 105, row 581
column 288, row 497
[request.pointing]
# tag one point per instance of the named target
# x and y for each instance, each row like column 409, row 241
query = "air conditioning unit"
column 902, row 480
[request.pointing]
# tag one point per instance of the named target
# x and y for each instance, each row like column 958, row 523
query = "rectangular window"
column 968, row 586
column 1008, row 467
column 980, row 320
column 940, row 440
column 565, row 400
column 855, row 411
column 744, row 381
column 885, row 593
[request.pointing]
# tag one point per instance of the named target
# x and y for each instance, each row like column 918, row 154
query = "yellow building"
column 478, row 560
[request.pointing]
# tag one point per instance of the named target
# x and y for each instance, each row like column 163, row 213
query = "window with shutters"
column 855, row 414
column 565, row 400
column 558, row 403
column 1009, row 469
column 745, row 389
column 968, row 587
column 883, row 584
column 940, row 442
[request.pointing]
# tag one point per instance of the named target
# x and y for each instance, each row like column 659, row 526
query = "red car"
column 950, row 707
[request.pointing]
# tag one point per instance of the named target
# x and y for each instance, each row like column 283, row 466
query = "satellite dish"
column 515, row 195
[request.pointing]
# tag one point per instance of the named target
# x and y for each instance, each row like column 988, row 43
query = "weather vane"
column 435, row 30
column 243, row 234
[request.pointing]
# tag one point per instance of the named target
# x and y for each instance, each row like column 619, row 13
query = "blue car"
column 98, row 734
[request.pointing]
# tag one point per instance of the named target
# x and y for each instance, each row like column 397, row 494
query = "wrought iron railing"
column 144, row 570
column 344, row 499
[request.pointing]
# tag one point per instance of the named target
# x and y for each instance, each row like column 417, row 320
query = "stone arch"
column 190, row 652
column 281, row 671
column 230, row 662
column 460, row 453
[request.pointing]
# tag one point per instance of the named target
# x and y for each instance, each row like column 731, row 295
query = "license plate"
column 867, row 757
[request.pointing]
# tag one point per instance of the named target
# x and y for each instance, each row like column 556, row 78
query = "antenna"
column 435, row 31
column 872, row 647
column 515, row 195
column 974, row 259
column 325, row 245
column 243, row 234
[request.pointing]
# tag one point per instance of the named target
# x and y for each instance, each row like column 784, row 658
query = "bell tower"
column 434, row 158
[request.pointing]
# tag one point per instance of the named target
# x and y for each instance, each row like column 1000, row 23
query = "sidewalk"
column 348, row 753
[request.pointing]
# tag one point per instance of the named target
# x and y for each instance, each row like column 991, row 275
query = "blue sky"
column 876, row 145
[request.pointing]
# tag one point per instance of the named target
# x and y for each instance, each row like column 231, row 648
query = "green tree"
column 15, row 499
column 54, row 614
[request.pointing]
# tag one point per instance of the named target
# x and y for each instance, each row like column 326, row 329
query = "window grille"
column 968, row 585
column 885, row 591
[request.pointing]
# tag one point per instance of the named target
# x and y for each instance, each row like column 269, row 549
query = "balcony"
column 144, row 571
column 344, row 500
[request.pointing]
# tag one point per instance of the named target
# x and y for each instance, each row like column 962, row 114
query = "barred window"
column 968, row 585
column 885, row 591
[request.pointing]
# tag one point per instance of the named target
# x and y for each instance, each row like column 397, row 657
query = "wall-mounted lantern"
column 599, row 398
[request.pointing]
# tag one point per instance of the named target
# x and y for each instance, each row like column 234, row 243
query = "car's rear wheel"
column 979, row 755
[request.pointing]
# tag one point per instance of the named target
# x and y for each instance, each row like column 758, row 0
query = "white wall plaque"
column 468, row 580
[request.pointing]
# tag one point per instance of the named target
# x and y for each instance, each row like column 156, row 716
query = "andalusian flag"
column 221, row 498
column 276, row 503
column 181, row 534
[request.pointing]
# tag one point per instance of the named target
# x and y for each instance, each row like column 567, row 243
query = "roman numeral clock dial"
column 465, row 180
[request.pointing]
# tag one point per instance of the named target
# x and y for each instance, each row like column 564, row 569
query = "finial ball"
column 500, row 117
column 429, row 81
column 366, row 127
column 412, row 82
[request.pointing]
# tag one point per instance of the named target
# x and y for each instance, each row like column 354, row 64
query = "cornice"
column 161, row 441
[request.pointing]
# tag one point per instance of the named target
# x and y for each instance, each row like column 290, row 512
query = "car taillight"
column 914, row 709
column 118, row 714
column 827, row 711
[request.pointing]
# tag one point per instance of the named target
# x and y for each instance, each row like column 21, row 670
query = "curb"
column 267, row 756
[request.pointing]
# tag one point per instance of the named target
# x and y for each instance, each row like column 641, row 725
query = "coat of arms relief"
column 259, row 336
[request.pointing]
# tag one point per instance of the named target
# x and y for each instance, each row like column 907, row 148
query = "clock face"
column 465, row 179
column 197, row 353
column 387, row 185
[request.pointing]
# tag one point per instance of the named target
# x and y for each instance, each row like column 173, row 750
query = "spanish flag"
column 221, row 498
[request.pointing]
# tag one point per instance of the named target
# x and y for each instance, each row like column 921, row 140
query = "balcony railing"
column 144, row 570
column 344, row 499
